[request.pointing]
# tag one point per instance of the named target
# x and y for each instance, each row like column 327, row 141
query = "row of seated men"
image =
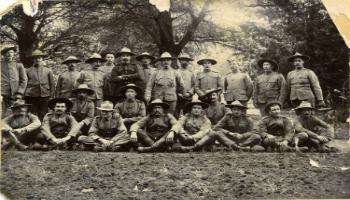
column 129, row 124
column 158, row 78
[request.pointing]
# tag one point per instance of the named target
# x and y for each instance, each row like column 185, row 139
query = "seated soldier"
column 154, row 130
column 236, row 129
column 193, row 130
column 83, row 109
column 20, row 129
column 107, row 131
column 58, row 124
column 275, row 130
column 216, row 110
column 311, row 131
column 131, row 109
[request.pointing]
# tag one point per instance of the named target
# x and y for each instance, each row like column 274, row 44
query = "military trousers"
column 242, row 139
column 39, row 106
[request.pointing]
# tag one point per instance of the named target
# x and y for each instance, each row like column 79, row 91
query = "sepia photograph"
column 174, row 99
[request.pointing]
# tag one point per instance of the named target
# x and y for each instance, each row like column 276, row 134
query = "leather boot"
column 153, row 147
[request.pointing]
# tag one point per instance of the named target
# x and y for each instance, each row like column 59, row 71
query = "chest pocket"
column 300, row 80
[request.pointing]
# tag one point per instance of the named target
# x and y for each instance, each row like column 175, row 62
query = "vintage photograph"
column 174, row 99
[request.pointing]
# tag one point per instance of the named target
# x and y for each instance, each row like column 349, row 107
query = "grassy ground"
column 205, row 175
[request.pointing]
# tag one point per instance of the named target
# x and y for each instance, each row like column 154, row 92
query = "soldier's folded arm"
column 73, row 123
column 328, row 132
column 94, row 130
column 204, row 130
column 299, row 128
column 35, row 123
column 121, row 130
column 139, row 124
column 179, row 124
column 5, row 123
column 261, row 129
column 90, row 115
column 220, row 125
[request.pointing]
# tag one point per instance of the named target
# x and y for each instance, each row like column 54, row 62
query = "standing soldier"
column 155, row 130
column 275, row 130
column 108, row 54
column 107, row 132
column 235, row 130
column 237, row 86
column 122, row 74
column 83, row 109
column 302, row 83
column 131, row 109
column 207, row 79
column 189, row 82
column 13, row 78
column 94, row 77
column 310, row 130
column 216, row 110
column 193, row 130
column 41, row 86
column 165, row 83
column 67, row 81
column 58, row 125
column 146, row 68
column 268, row 86
column 21, row 128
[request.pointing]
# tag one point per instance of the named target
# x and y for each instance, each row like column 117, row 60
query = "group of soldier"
column 157, row 105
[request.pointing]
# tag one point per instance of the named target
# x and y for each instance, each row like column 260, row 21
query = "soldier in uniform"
column 108, row 54
column 21, row 128
column 58, row 125
column 107, row 132
column 237, row 86
column 94, row 77
column 122, row 74
column 311, row 131
column 302, row 83
column 207, row 79
column 145, row 69
column 189, row 79
column 275, row 130
column 131, row 109
column 83, row 109
column 154, row 131
column 67, row 81
column 13, row 78
column 41, row 85
column 236, row 129
column 193, row 130
column 216, row 110
column 268, row 86
column 165, row 83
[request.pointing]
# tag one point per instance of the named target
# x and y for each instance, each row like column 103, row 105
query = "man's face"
column 146, row 61
column 130, row 94
column 236, row 112
column 20, row 111
column 82, row 95
column 234, row 68
column 196, row 110
column 96, row 64
column 71, row 66
column 275, row 110
column 110, row 58
column 125, row 58
column 298, row 63
column 106, row 114
column 60, row 108
column 39, row 61
column 214, row 97
column 10, row 55
column 166, row 63
column 267, row 67
column 184, row 63
column 206, row 65
column 158, row 110
column 306, row 112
